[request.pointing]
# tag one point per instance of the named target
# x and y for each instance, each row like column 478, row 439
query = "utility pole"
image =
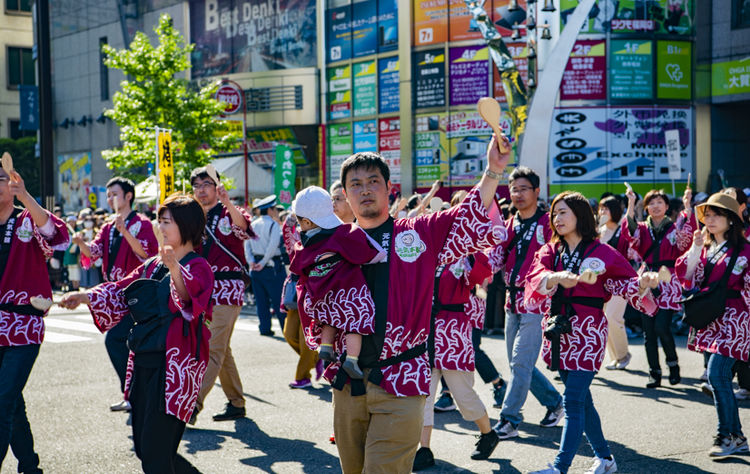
column 44, row 79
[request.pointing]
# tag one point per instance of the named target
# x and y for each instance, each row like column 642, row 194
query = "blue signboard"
column 388, row 92
column 364, row 28
column 339, row 33
column 387, row 25
column 29, row 108
column 365, row 136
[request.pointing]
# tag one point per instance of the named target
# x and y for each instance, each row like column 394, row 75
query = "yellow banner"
column 166, row 164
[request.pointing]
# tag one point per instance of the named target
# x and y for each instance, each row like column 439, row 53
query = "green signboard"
column 730, row 77
column 339, row 92
column 284, row 174
column 631, row 69
column 673, row 70
column 365, row 96
column 339, row 148
column 674, row 17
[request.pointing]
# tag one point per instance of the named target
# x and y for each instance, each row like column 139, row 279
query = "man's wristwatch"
column 491, row 174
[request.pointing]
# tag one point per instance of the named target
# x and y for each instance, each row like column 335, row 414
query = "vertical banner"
column 469, row 74
column 364, row 89
column 431, row 148
column 585, row 76
column 519, row 52
column 29, row 102
column 430, row 22
column 387, row 25
column 284, row 175
column 674, row 70
column 388, row 90
column 339, row 92
column 389, row 145
column 630, row 69
column 165, row 163
column 672, row 141
column 429, row 78
column 365, row 136
column 364, row 27
column 339, row 31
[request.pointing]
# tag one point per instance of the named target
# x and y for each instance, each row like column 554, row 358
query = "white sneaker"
column 553, row 417
column 550, row 469
column 505, row 429
column 123, row 405
column 602, row 466
column 707, row 389
column 742, row 394
column 723, row 446
column 611, row 366
column 704, row 377
column 622, row 363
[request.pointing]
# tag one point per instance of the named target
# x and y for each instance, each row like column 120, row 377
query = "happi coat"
column 184, row 372
column 583, row 348
column 729, row 335
column 26, row 275
column 227, row 291
column 454, row 349
column 126, row 260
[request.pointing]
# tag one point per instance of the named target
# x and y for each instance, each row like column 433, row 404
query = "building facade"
column 16, row 42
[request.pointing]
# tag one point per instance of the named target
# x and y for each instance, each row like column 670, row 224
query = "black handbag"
column 705, row 305
column 289, row 296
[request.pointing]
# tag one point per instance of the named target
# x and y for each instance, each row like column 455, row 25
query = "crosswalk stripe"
column 72, row 325
column 56, row 337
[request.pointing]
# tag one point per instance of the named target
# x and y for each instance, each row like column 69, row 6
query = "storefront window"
column 740, row 13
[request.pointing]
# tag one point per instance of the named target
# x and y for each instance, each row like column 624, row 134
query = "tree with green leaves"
column 153, row 96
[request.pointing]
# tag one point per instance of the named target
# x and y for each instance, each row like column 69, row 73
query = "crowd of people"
column 387, row 298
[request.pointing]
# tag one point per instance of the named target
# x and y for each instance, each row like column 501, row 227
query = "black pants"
column 483, row 365
column 116, row 342
column 156, row 435
column 495, row 316
column 742, row 369
column 655, row 329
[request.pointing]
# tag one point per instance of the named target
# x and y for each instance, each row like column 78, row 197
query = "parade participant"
column 719, row 256
column 380, row 432
column 268, row 273
column 119, row 260
column 451, row 351
column 169, row 298
column 658, row 242
column 528, row 231
column 28, row 236
column 227, row 227
column 340, row 206
column 331, row 291
column 612, row 231
column 576, row 328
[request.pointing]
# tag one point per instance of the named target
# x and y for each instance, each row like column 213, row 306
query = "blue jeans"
column 267, row 286
column 720, row 377
column 15, row 366
column 523, row 340
column 580, row 417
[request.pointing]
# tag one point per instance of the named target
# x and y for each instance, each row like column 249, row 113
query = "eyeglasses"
column 200, row 186
column 520, row 189
column 4, row 179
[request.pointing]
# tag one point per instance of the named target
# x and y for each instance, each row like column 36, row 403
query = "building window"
column 103, row 71
column 18, row 6
column 20, row 67
column 740, row 13
column 15, row 132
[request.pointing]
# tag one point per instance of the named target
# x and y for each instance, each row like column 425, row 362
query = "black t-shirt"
column 6, row 237
column 377, row 278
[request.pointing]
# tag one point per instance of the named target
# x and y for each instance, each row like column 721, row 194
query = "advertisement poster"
column 430, row 22
column 505, row 18
column 365, row 136
column 261, row 145
column 585, row 76
column 469, row 74
column 730, row 77
column 429, row 78
column 630, row 69
column 388, row 87
column 364, row 89
column 600, row 145
column 673, row 70
column 364, row 27
column 468, row 136
column 635, row 16
column 165, row 163
column 389, row 146
column 339, row 148
column 518, row 51
column 74, row 181
column 431, row 148
column 339, row 92
column 339, row 31
column 233, row 36
column 387, row 25
column 461, row 24
column 285, row 173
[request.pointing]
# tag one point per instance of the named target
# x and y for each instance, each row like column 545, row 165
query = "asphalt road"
column 668, row 430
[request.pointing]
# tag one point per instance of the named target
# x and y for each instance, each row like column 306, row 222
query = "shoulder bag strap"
column 9, row 230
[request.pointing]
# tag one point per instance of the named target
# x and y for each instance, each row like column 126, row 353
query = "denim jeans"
column 720, row 378
column 523, row 339
column 267, row 286
column 15, row 366
column 580, row 417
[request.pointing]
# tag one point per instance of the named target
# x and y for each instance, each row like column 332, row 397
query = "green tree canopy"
column 153, row 96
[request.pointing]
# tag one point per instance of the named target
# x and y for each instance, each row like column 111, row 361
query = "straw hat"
column 722, row 200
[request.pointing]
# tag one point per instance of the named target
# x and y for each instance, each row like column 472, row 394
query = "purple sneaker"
column 319, row 368
column 304, row 383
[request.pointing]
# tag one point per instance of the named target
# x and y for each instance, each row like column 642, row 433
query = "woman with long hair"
column 719, row 248
column 570, row 280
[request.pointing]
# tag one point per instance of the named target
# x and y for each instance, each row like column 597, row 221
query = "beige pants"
column 461, row 385
column 295, row 337
column 376, row 432
column 617, row 342
column 220, row 361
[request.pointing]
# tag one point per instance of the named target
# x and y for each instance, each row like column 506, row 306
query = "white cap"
column 315, row 203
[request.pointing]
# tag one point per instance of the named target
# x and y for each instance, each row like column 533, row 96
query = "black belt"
column 228, row 276
column 21, row 309
column 655, row 266
column 376, row 375
column 258, row 258
column 453, row 308
column 733, row 294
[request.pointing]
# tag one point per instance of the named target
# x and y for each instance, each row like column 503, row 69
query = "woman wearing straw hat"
column 720, row 245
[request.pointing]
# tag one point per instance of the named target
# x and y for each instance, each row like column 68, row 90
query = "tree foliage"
column 24, row 161
column 153, row 95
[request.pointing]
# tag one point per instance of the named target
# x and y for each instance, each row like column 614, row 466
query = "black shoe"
column 674, row 374
column 654, row 379
column 423, row 459
column 486, row 444
column 269, row 333
column 193, row 417
column 230, row 412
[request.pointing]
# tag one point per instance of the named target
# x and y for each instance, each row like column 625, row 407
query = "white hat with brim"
column 315, row 203
column 267, row 202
